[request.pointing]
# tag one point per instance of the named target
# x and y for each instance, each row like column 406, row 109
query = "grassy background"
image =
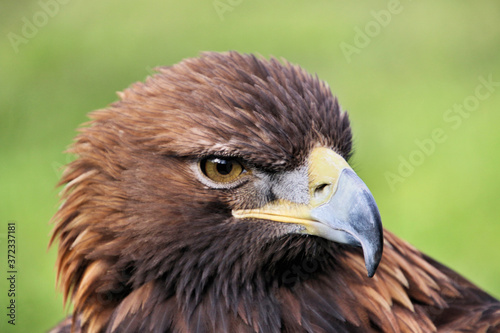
column 397, row 89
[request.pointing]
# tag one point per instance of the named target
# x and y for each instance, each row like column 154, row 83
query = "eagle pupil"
column 224, row 167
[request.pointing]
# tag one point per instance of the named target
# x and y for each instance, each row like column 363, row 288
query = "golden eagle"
column 217, row 197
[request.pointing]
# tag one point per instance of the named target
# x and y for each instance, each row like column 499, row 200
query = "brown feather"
column 145, row 247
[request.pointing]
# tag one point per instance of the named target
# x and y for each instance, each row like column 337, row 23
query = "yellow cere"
column 325, row 166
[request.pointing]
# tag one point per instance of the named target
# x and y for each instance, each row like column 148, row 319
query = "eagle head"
column 204, row 185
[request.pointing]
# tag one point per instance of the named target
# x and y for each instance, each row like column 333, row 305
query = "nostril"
column 321, row 189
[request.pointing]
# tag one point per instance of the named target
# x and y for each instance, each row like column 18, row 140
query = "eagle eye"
column 222, row 170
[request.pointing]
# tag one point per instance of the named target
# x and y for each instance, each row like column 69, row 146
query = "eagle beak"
column 351, row 217
column 340, row 208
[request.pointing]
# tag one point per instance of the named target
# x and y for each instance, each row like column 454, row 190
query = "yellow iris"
column 222, row 170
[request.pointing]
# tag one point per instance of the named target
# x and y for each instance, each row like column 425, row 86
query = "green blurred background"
column 397, row 75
